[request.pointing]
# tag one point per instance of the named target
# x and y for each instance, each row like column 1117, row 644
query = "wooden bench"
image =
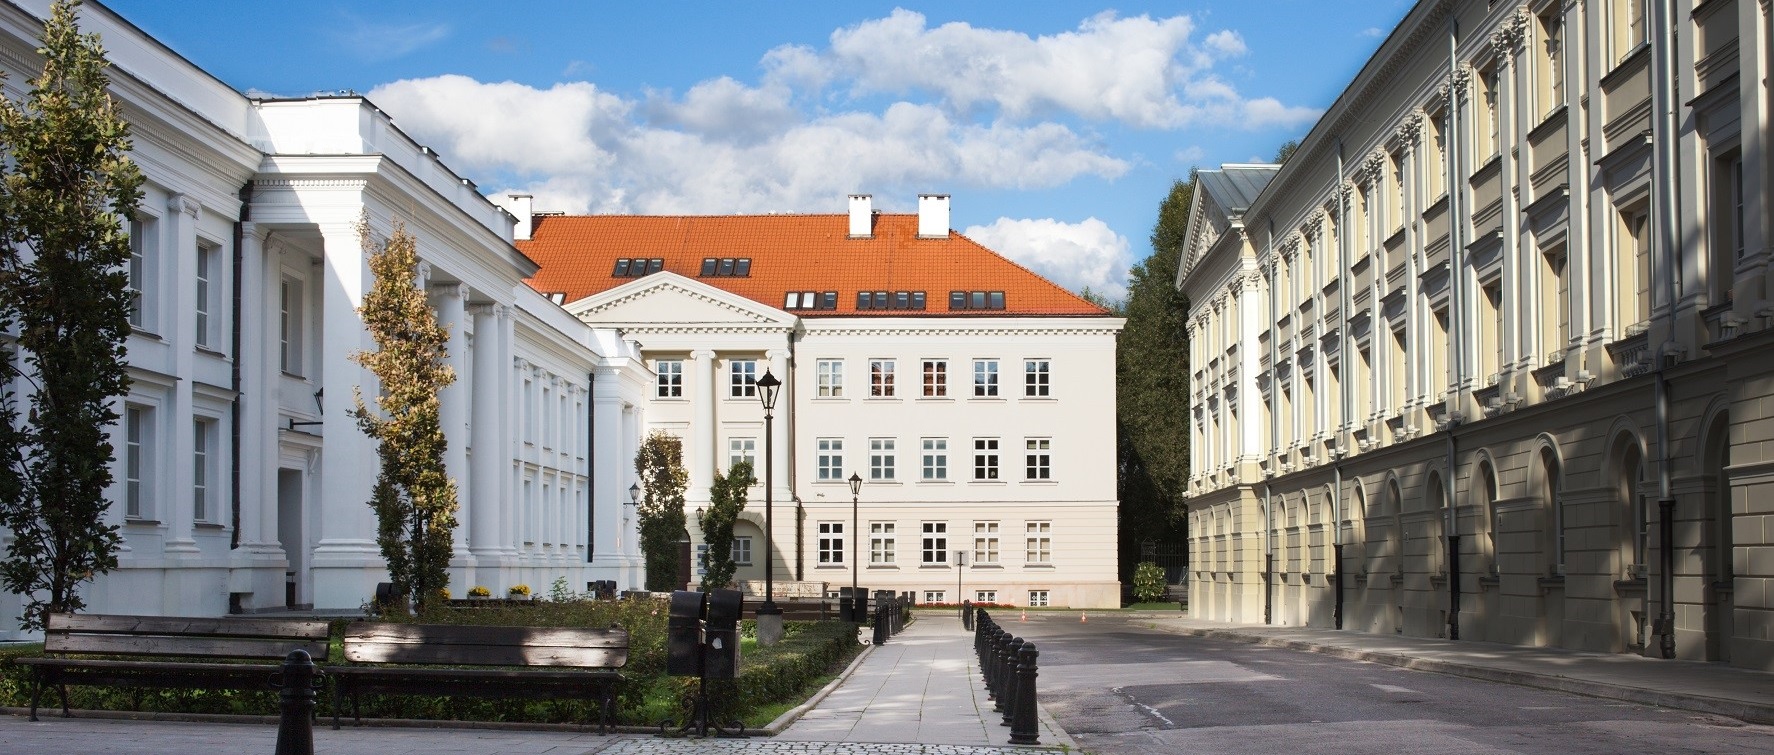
column 139, row 651
column 481, row 661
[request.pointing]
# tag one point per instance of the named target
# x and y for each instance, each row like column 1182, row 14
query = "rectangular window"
column 290, row 327
column 936, row 458
column 1038, row 460
column 1035, row 373
column 985, row 543
column 208, row 265
column 1037, row 598
column 985, row 596
column 831, row 542
column 143, row 243
column 742, row 449
column 985, row 458
column 881, row 545
column 985, row 378
column 1552, row 77
column 1039, row 544
column 742, row 378
column 831, row 458
column 881, row 378
column 202, row 439
column 669, row 378
column 135, row 428
column 936, row 543
column 881, row 459
column 830, row 374
column 742, row 551
column 936, row 378
column 932, row 597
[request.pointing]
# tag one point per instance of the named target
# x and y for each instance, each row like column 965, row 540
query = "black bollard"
column 1025, row 727
column 1010, row 685
column 967, row 615
column 295, row 732
column 881, row 624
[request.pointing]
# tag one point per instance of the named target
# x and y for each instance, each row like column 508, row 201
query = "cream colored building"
column 974, row 399
column 1490, row 355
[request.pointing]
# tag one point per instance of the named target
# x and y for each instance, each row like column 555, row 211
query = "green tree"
column 726, row 498
column 414, row 497
column 1152, row 385
column 660, row 465
column 1286, row 150
column 63, row 286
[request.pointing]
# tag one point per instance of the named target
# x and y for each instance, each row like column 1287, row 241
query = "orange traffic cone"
column 1025, row 616
column 1083, row 618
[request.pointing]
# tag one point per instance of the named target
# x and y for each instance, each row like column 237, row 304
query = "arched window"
column 1487, row 490
column 1630, row 494
column 1552, row 500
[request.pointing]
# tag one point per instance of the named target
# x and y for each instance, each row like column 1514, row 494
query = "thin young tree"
column 414, row 497
column 64, row 285
column 726, row 498
column 660, row 465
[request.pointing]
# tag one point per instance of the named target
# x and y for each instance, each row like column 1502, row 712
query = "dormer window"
column 810, row 300
column 889, row 300
column 637, row 267
column 975, row 300
column 726, row 267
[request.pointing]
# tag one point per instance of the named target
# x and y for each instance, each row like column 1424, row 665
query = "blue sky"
column 1056, row 127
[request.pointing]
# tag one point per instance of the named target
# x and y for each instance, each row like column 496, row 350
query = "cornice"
column 669, row 287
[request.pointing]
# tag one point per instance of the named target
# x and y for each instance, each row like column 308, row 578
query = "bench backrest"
column 256, row 639
column 377, row 642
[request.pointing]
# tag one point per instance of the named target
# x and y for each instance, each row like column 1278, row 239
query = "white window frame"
column 882, row 543
column 208, row 293
column 204, row 432
column 985, row 596
column 741, row 550
column 742, row 449
column 831, row 543
column 143, row 270
column 1038, row 458
column 936, row 459
column 985, row 378
column 932, row 597
column 883, row 456
column 668, row 380
column 1038, row 599
column 985, row 544
column 830, row 460
column 1037, row 378
column 138, row 461
column 830, row 376
column 290, row 326
column 881, row 378
column 985, row 459
column 936, row 378
column 1038, row 542
column 742, row 378
column 935, row 551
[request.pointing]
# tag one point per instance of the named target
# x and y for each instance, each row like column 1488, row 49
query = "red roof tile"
column 578, row 253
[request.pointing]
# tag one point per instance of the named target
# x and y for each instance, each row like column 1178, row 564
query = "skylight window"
column 726, row 267
column 975, row 300
column 637, row 267
column 810, row 300
column 889, row 300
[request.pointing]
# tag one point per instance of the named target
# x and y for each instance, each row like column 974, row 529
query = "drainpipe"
column 591, row 465
column 1347, row 393
column 1664, row 171
column 1268, row 558
column 1456, row 312
column 246, row 211
column 1274, row 422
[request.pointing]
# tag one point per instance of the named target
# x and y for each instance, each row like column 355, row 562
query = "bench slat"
column 486, row 645
column 187, row 646
column 176, row 625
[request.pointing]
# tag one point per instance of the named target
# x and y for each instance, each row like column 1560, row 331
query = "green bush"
column 1148, row 582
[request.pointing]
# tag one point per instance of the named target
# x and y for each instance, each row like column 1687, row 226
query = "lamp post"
column 856, row 611
column 769, row 616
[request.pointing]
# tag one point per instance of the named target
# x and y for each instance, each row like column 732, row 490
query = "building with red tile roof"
column 974, row 398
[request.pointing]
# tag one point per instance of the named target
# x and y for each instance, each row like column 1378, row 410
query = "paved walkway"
column 921, row 695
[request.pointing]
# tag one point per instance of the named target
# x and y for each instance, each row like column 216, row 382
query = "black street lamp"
column 856, row 611
column 768, row 387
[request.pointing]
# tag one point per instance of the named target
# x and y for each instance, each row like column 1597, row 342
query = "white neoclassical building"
column 242, row 483
column 974, row 399
column 1489, row 356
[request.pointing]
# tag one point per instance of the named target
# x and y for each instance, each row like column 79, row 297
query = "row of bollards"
column 298, row 683
column 1009, row 666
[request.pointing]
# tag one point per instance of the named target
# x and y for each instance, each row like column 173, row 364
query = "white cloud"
column 1073, row 255
column 1142, row 71
column 371, row 40
column 1373, row 31
column 579, row 149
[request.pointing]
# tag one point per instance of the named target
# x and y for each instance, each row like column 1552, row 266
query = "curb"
column 794, row 714
column 1744, row 711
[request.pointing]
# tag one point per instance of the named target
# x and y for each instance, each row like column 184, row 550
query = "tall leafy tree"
column 414, row 497
column 660, row 465
column 64, row 287
column 726, row 498
column 1152, row 384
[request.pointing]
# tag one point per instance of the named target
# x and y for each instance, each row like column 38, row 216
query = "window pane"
column 708, row 266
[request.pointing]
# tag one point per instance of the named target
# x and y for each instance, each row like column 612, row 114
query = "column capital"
column 701, row 354
column 179, row 203
column 452, row 290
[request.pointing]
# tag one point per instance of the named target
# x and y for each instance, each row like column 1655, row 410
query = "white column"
column 480, row 512
column 347, row 563
column 509, row 387
column 700, row 455
column 451, row 301
column 180, row 239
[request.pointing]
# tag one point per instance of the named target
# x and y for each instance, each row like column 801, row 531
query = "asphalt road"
column 1123, row 689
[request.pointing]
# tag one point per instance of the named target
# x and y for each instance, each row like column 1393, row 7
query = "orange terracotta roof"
column 578, row 253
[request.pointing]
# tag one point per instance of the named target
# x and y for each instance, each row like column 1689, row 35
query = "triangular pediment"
column 671, row 301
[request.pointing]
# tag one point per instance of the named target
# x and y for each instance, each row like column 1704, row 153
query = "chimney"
column 862, row 220
column 933, row 216
column 519, row 206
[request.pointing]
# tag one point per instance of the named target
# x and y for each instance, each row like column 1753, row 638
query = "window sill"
column 943, row 567
column 987, row 398
column 936, row 398
column 883, row 567
column 987, row 482
column 209, row 352
column 944, row 481
column 1041, row 399
column 671, row 399
column 884, row 399
column 831, row 567
column 987, row 567
column 142, row 522
column 209, row 526
column 831, row 399
column 137, row 330
column 295, row 375
column 1038, row 566
column 882, row 482
column 1048, row 481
